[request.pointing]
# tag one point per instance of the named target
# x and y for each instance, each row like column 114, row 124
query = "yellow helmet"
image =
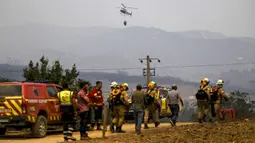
column 151, row 84
column 206, row 80
column 124, row 86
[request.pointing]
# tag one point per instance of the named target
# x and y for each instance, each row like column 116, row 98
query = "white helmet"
column 114, row 84
column 153, row 82
column 220, row 82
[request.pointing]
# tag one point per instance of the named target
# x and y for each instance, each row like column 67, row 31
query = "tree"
column 44, row 70
column 241, row 103
column 29, row 73
column 55, row 73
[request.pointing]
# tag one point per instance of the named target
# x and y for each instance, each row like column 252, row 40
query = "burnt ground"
column 240, row 131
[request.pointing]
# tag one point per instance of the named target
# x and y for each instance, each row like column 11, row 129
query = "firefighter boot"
column 174, row 122
column 171, row 122
column 200, row 121
column 204, row 118
column 92, row 126
column 157, row 124
column 112, row 128
column 119, row 130
column 146, row 126
column 85, row 137
column 99, row 126
column 66, row 138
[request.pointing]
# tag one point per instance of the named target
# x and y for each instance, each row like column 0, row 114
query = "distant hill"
column 186, row 88
column 100, row 47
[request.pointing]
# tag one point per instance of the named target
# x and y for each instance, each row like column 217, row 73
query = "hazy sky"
column 231, row 17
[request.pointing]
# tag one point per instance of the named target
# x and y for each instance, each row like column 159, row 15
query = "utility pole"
column 147, row 71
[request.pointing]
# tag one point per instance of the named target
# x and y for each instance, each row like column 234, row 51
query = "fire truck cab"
column 29, row 105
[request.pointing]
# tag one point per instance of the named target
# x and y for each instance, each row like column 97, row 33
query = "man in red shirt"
column 98, row 103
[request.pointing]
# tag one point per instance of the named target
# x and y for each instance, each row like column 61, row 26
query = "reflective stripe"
column 67, row 132
column 65, row 97
column 31, row 119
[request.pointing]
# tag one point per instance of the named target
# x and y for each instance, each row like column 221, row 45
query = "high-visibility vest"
column 165, row 110
column 65, row 97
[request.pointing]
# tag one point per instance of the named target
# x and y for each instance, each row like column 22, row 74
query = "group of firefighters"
column 89, row 106
column 209, row 101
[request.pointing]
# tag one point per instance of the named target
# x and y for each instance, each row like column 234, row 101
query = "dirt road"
column 58, row 137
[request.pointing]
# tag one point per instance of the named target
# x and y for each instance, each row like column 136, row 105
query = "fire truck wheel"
column 2, row 131
column 39, row 129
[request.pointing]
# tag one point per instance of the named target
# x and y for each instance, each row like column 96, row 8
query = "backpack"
column 116, row 97
column 201, row 95
column 149, row 99
column 214, row 94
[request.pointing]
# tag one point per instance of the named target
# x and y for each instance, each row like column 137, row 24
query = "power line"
column 172, row 67
column 159, row 67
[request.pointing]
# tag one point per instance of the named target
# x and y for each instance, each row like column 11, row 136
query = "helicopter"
column 124, row 12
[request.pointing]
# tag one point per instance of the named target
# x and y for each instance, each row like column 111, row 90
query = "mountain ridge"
column 122, row 47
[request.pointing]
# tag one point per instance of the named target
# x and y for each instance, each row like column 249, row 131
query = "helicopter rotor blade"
column 131, row 8
column 123, row 5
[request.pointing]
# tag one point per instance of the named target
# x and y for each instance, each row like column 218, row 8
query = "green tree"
column 37, row 71
column 44, row 69
column 55, row 73
column 28, row 72
column 241, row 103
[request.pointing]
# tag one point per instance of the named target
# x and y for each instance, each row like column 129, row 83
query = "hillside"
column 229, row 132
column 117, row 48
column 186, row 88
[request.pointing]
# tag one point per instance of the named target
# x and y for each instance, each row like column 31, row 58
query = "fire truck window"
column 10, row 90
column 35, row 91
column 51, row 91
column 163, row 92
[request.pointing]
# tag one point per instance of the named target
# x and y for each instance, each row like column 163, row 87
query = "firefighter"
column 68, row 109
column 202, row 97
column 109, row 99
column 150, row 100
column 217, row 99
column 98, row 105
column 119, row 103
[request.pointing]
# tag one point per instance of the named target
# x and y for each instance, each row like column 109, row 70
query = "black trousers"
column 98, row 115
column 84, row 119
column 213, row 112
column 68, row 124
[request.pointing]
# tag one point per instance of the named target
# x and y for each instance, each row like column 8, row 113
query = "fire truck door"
column 53, row 104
